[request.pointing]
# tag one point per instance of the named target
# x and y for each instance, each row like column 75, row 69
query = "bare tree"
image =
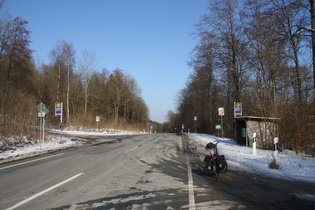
column 291, row 16
column 132, row 92
column 116, row 87
column 16, row 76
column 87, row 65
column 56, row 55
column 69, row 52
column 63, row 56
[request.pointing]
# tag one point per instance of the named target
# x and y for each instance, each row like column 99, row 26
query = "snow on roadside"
column 241, row 158
column 31, row 149
column 93, row 131
column 53, row 142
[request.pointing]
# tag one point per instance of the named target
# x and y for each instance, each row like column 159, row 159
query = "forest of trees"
column 85, row 89
column 258, row 53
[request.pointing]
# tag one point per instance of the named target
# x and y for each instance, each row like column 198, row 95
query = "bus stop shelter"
column 266, row 128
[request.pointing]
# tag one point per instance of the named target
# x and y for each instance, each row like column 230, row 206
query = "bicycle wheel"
column 215, row 172
column 225, row 167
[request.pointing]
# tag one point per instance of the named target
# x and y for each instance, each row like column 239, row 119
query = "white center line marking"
column 190, row 187
column 43, row 192
column 131, row 149
column 29, row 161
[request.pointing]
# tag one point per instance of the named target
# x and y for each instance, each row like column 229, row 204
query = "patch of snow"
column 53, row 142
column 31, row 149
column 93, row 131
column 304, row 196
column 241, row 158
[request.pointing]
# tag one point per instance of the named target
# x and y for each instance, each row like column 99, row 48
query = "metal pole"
column 61, row 112
column 40, row 131
column 221, row 127
column 235, row 129
column 43, row 129
column 254, row 143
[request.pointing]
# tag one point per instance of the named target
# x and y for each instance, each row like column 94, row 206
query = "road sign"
column 97, row 118
column 221, row 111
column 58, row 109
column 42, row 108
column 42, row 111
column 42, row 114
column 237, row 109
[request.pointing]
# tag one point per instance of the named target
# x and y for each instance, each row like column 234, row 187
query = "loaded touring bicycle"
column 215, row 163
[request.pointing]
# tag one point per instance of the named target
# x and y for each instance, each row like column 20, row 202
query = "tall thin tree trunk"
column 313, row 39
column 68, row 96
column 58, row 82
column 85, row 97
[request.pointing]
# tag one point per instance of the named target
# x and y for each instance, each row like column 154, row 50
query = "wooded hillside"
column 86, row 89
column 258, row 53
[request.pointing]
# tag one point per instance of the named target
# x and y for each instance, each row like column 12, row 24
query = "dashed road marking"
column 132, row 149
column 192, row 205
column 43, row 192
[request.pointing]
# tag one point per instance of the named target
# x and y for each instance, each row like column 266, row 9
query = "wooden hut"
column 266, row 128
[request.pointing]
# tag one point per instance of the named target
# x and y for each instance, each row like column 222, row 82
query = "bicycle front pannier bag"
column 221, row 161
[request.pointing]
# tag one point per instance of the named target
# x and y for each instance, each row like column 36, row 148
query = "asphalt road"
column 156, row 171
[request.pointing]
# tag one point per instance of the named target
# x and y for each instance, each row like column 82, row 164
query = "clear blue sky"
column 149, row 39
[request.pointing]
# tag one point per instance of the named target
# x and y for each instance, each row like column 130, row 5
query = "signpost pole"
column 61, row 126
column 254, row 143
column 97, row 119
column 221, row 113
column 218, row 127
column 221, row 127
column 43, row 128
column 61, row 113
column 40, row 131
column 58, row 112
column 42, row 111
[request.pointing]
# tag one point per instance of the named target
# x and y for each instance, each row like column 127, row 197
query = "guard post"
column 254, row 143
column 275, row 152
